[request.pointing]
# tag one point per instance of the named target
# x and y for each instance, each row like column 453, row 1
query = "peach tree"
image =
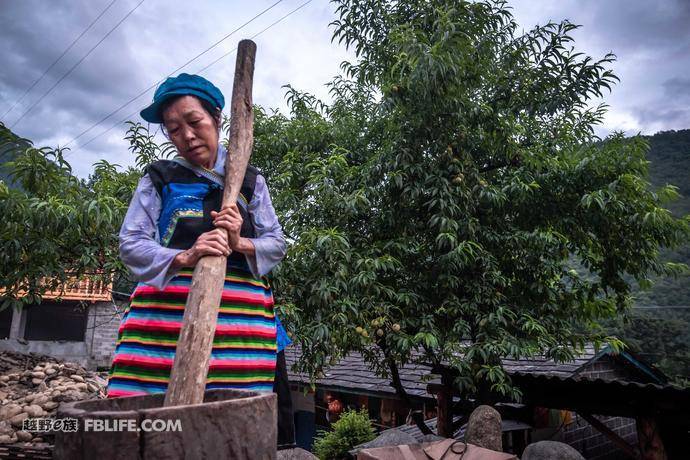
column 452, row 204
column 55, row 225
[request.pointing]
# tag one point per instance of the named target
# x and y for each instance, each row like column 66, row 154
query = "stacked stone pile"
column 33, row 386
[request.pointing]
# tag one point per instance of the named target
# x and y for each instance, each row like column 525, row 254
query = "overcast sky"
column 650, row 37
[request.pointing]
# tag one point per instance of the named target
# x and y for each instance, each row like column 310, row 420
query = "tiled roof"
column 606, row 397
column 543, row 366
column 352, row 373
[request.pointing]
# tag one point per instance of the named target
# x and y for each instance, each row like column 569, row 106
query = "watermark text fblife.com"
column 100, row 425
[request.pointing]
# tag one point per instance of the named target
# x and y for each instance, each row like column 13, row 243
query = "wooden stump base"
column 233, row 424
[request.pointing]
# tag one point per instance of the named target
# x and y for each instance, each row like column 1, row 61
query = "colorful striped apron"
column 244, row 346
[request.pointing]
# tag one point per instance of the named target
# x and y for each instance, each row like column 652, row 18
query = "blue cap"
column 183, row 84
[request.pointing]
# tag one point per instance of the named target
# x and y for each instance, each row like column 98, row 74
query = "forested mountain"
column 669, row 155
column 658, row 329
column 669, row 158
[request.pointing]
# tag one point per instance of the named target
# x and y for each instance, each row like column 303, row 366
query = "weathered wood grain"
column 193, row 352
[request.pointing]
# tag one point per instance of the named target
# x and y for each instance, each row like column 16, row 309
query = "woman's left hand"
column 230, row 219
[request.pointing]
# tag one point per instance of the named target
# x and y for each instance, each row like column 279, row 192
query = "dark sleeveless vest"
column 187, row 201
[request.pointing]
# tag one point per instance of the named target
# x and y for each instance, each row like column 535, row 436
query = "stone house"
column 78, row 323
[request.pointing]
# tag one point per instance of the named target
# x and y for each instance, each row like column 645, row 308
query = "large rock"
column 484, row 428
column 18, row 419
column 50, row 405
column 392, row 437
column 6, row 428
column 68, row 396
column 24, row 436
column 9, row 411
column 33, row 386
column 295, row 454
column 34, row 411
column 432, row 438
column 548, row 450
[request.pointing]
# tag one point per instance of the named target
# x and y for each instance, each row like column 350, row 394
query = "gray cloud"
column 652, row 43
column 641, row 25
column 677, row 87
column 29, row 47
column 671, row 117
column 651, row 39
column 151, row 44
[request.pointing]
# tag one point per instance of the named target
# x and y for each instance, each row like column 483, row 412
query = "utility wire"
column 135, row 112
column 58, row 59
column 258, row 33
column 77, row 63
column 663, row 307
column 176, row 70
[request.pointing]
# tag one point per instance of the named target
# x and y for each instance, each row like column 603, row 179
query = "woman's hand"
column 213, row 243
column 229, row 219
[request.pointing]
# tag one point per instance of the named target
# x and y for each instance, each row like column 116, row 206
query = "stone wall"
column 594, row 445
column 94, row 351
column 587, row 439
column 104, row 321
column 606, row 368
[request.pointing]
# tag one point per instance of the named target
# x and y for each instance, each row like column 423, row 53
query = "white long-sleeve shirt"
column 149, row 261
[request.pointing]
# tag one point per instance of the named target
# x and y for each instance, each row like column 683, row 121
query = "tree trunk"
column 444, row 399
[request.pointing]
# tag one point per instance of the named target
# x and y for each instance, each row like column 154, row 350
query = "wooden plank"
column 193, row 352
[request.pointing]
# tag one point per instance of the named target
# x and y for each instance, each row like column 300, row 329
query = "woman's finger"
column 214, row 235
column 215, row 248
column 227, row 226
column 222, row 240
column 234, row 211
column 228, row 210
column 226, row 218
column 209, row 251
column 222, row 247
column 228, row 223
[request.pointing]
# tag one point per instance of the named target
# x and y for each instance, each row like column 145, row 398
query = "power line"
column 77, row 63
column 135, row 112
column 662, row 307
column 58, row 59
column 160, row 81
column 258, row 33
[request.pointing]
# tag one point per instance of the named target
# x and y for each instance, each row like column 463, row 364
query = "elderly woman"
column 174, row 219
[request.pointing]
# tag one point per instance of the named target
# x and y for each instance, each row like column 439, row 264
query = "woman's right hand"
column 213, row 243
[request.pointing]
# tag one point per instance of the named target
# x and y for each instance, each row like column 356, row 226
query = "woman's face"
column 192, row 130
